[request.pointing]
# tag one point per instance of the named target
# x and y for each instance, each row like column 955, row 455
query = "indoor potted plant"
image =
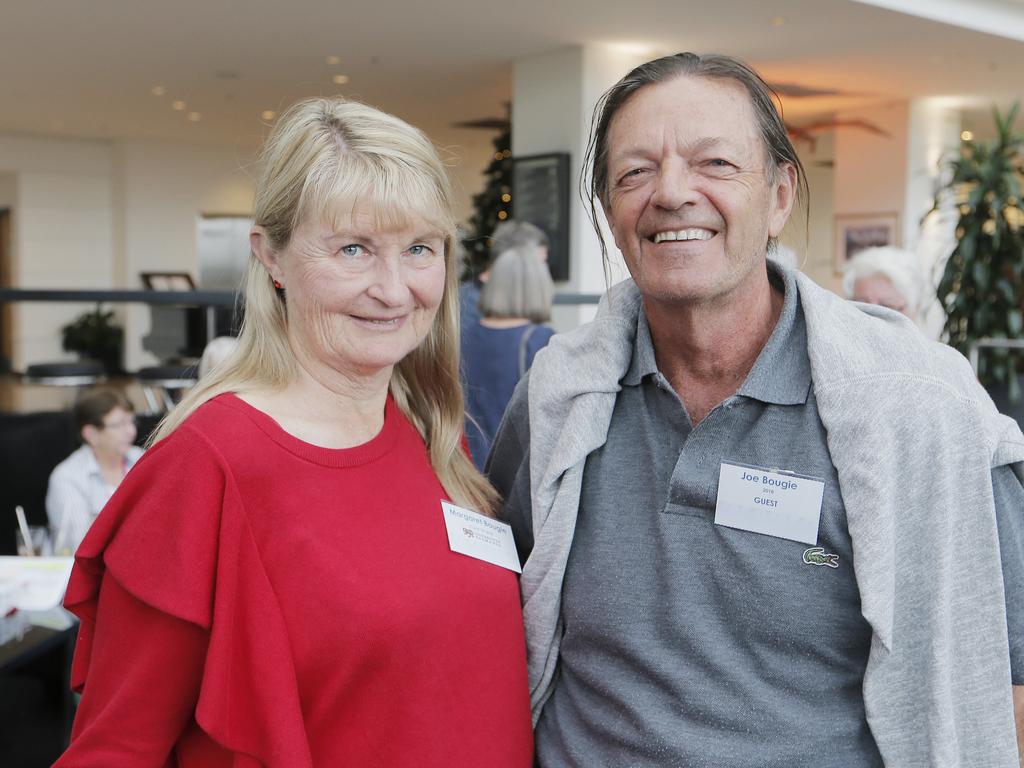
column 981, row 288
column 95, row 335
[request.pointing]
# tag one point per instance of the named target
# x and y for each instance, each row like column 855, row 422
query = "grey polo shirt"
column 687, row 643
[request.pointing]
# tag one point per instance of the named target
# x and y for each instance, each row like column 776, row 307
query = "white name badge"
column 473, row 534
column 771, row 502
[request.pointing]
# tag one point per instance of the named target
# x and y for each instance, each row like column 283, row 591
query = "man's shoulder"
column 76, row 466
column 850, row 343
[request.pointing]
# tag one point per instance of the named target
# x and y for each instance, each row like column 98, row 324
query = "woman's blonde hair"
column 323, row 157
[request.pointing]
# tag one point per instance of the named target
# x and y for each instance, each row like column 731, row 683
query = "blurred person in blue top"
column 497, row 349
column 507, row 235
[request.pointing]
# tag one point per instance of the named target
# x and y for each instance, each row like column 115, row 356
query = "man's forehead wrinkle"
column 673, row 143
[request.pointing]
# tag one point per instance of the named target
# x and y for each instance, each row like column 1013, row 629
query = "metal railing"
column 975, row 349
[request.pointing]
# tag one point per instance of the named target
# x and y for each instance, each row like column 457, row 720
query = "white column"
column 933, row 137
column 552, row 103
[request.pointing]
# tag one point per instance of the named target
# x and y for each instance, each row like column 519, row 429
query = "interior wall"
column 809, row 233
column 870, row 169
column 164, row 189
column 94, row 214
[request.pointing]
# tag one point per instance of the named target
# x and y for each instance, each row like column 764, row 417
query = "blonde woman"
column 273, row 585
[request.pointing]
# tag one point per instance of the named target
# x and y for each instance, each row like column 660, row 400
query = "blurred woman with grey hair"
column 886, row 276
column 515, row 305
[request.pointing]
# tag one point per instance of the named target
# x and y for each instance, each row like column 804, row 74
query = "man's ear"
column 262, row 250
column 786, row 185
column 90, row 434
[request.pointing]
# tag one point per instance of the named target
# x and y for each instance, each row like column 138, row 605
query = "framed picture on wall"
column 168, row 281
column 856, row 232
column 540, row 195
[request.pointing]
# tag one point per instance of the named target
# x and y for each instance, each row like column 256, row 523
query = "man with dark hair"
column 81, row 485
column 761, row 526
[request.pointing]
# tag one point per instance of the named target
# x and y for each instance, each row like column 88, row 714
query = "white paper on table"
column 33, row 583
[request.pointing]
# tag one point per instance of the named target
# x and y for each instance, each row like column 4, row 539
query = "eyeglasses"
column 120, row 423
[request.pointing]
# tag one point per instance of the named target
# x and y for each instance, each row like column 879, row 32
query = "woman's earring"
column 277, row 285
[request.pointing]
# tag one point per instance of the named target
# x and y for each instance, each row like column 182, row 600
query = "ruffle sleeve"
column 175, row 535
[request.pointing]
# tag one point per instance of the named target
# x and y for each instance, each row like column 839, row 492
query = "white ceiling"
column 85, row 68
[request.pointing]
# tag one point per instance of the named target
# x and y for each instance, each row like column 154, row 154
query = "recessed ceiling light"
column 268, row 114
column 195, row 117
column 178, row 106
column 158, row 90
column 777, row 21
column 340, row 79
column 334, row 60
column 966, row 135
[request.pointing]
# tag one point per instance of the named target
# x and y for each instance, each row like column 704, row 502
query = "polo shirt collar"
column 782, row 373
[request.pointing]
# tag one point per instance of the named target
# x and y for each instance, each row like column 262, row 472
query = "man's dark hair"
column 778, row 148
column 93, row 406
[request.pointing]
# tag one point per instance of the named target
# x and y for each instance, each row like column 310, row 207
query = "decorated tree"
column 492, row 205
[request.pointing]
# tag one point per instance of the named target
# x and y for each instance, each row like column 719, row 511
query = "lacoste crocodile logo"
column 818, row 556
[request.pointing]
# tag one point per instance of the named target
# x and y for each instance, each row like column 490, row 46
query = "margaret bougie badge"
column 475, row 535
column 769, row 501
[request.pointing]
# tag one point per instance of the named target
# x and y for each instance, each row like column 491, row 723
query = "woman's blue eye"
column 419, row 250
column 352, row 250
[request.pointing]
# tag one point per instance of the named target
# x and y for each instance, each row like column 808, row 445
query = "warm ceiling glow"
column 195, row 117
column 158, row 90
column 966, row 135
column 178, row 106
column 340, row 79
column 777, row 21
column 334, row 60
column 268, row 114
column 632, row 49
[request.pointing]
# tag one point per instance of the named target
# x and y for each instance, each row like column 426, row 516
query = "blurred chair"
column 31, row 445
column 162, row 385
column 83, row 373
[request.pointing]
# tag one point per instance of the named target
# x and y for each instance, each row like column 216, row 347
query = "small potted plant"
column 95, row 335
column 982, row 286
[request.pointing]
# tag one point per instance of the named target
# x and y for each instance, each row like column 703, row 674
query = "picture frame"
column 540, row 195
column 856, row 232
column 168, row 281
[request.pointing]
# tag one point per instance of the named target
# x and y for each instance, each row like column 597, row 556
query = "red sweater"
column 249, row 599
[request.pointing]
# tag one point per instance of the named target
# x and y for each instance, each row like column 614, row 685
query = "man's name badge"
column 771, row 502
column 473, row 534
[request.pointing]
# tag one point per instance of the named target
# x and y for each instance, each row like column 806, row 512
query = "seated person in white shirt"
column 82, row 484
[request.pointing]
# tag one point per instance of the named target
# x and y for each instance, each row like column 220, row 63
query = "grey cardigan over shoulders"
column 913, row 438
